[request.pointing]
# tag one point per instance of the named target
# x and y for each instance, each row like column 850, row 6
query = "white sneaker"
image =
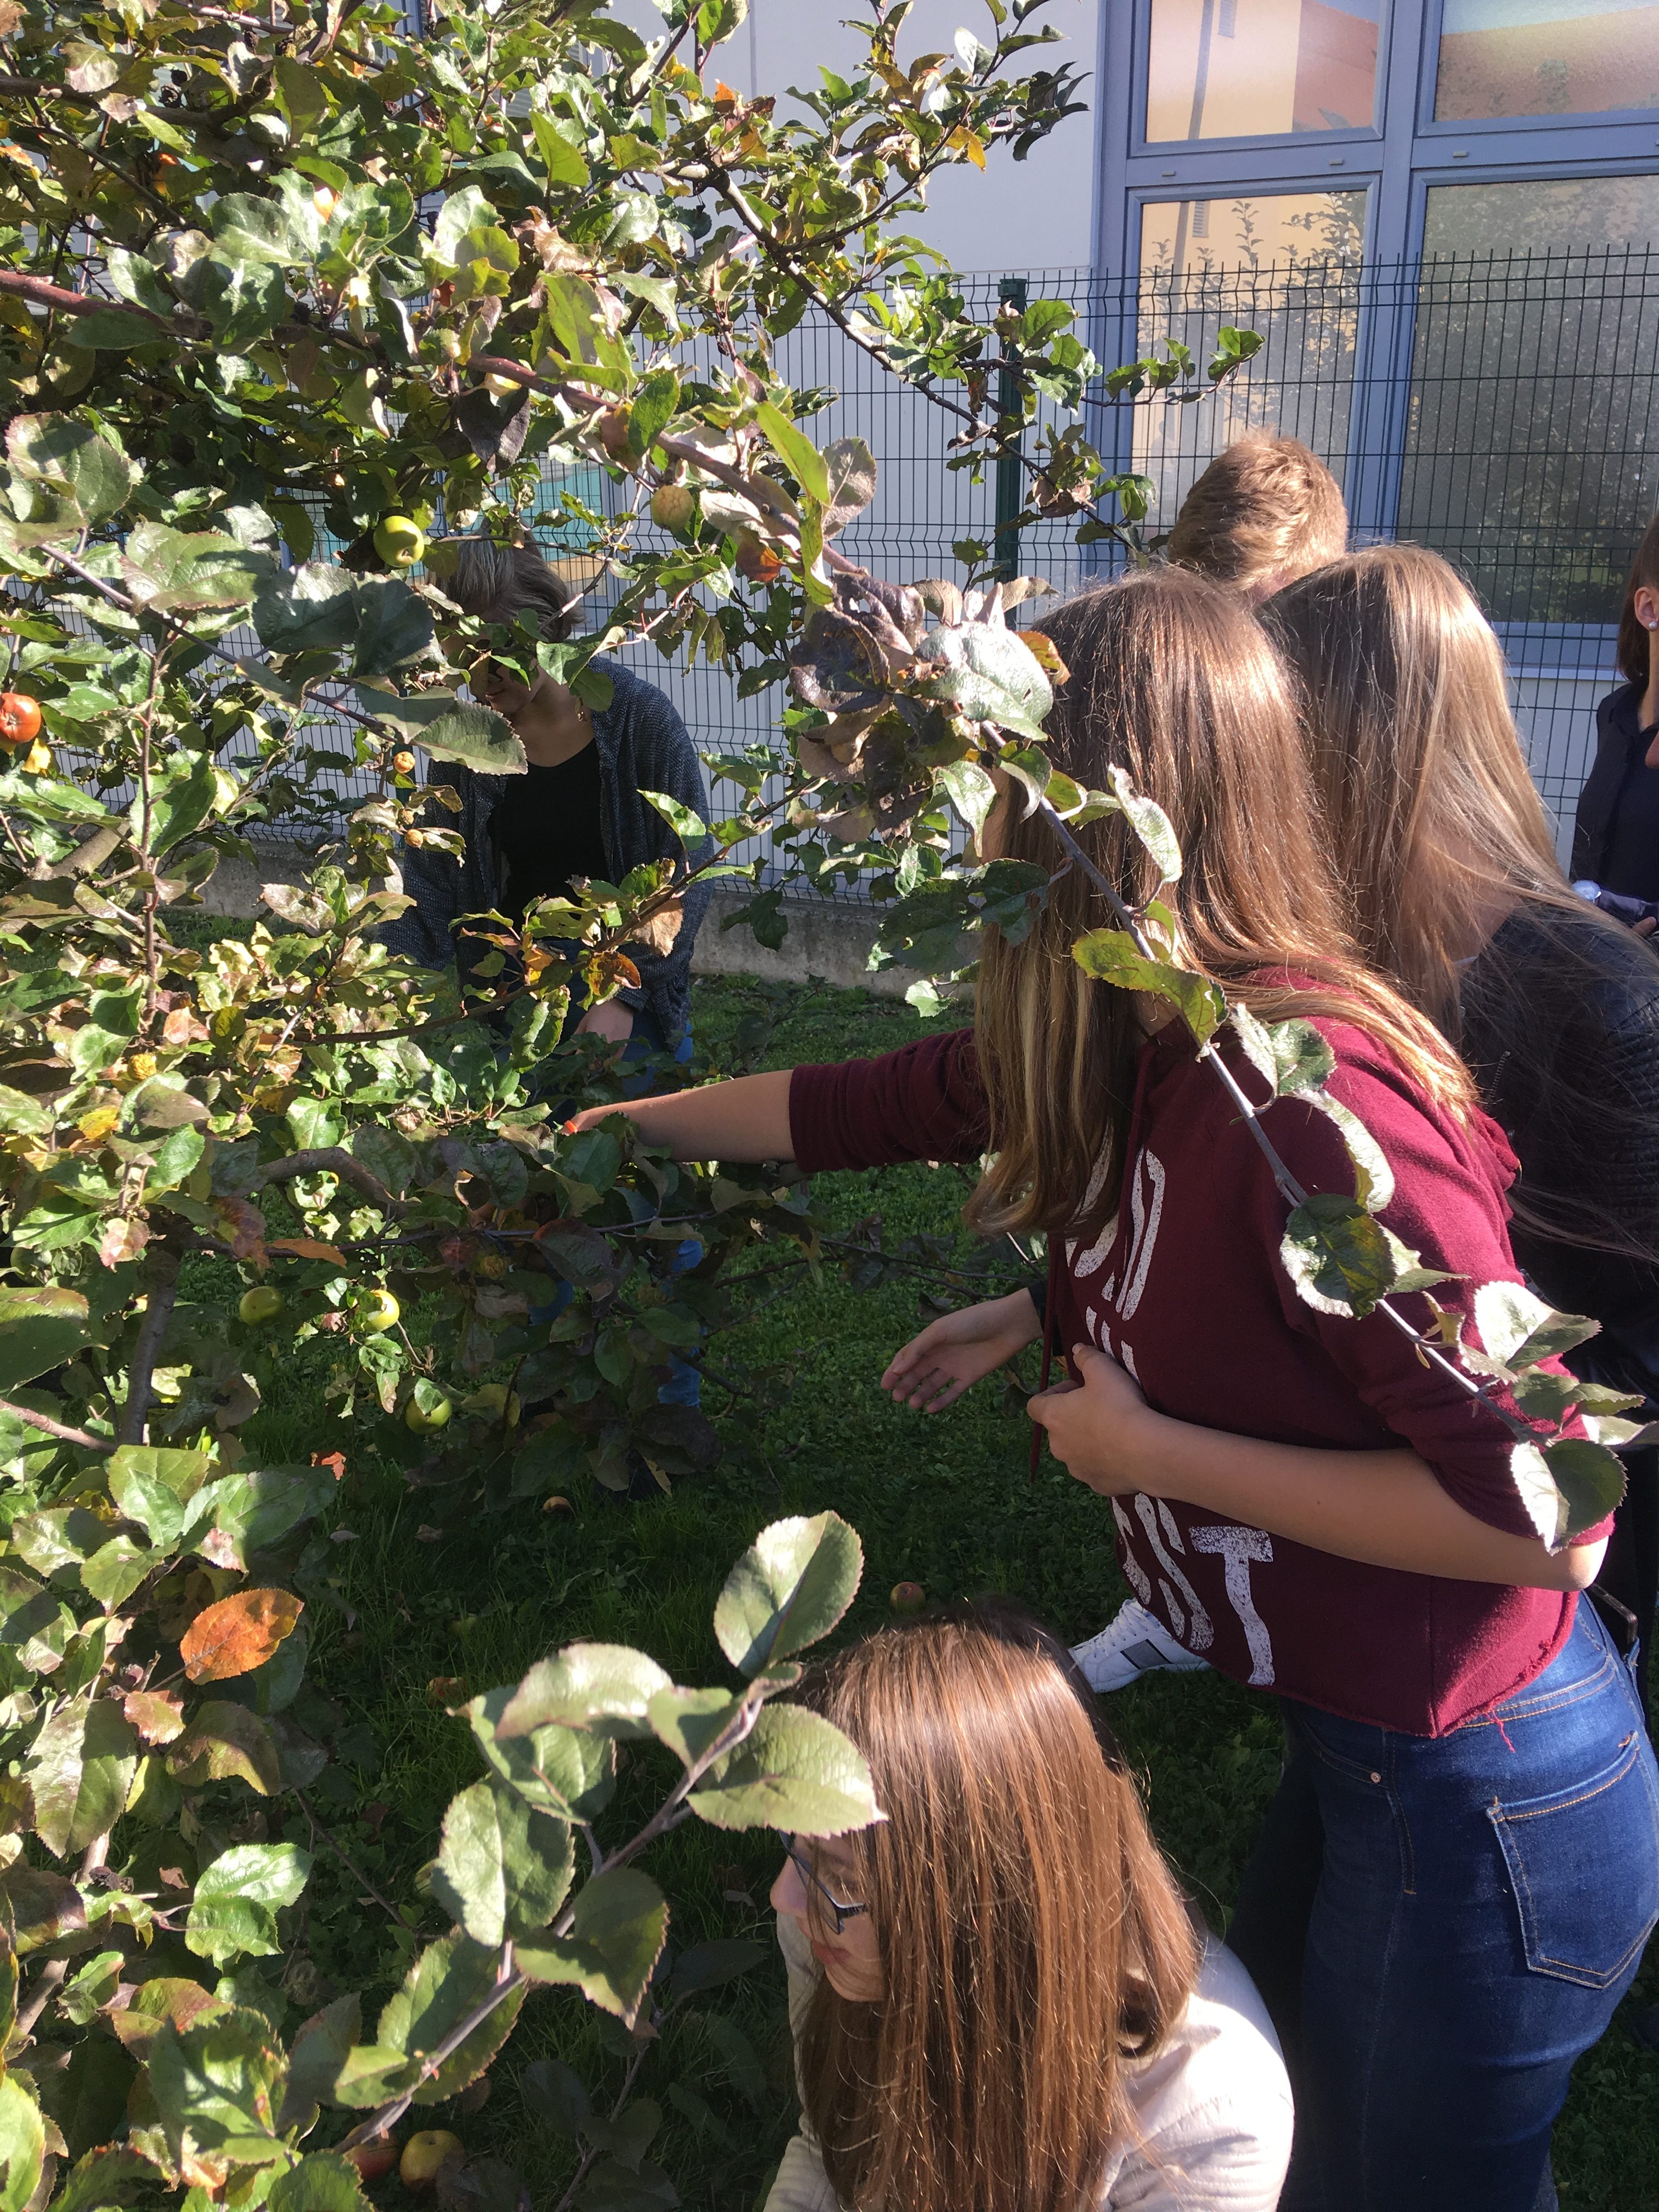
column 1132, row 1645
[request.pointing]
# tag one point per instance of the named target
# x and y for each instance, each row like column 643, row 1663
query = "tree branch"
column 329, row 1159
column 164, row 1289
column 47, row 1426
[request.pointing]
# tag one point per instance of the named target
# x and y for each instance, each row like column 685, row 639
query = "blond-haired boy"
column 1265, row 512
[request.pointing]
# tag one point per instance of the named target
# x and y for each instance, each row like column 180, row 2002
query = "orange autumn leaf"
column 238, row 1634
column 335, row 1459
column 307, row 1248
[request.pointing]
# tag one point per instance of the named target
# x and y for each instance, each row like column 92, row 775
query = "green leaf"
column 316, row 2057
column 80, row 1770
column 446, row 1983
column 1150, row 824
column 174, row 572
column 69, row 457
column 394, row 624
column 654, row 404
column 310, row 609
column 1111, row 956
column 226, row 1742
column 217, row 2083
column 41, row 1908
column 1373, row 1176
column 476, row 735
column 40, row 1329
column 851, row 469
column 789, row 1589
column 568, row 1773
column 618, row 1925
column 1517, row 1330
column 806, row 464
column 503, row 1869
column 1591, row 1480
column 710, row 1965
column 112, row 1574
column 184, row 792
column 322, row 2181
column 794, row 1770
column 22, row 2145
column 103, row 2178
column 689, row 1721
column 604, row 1686
column 239, row 1895
column 1291, row 1056
column 560, row 158
column 463, row 211
column 557, row 2095
column 988, row 675
column 969, row 789
column 1338, row 1257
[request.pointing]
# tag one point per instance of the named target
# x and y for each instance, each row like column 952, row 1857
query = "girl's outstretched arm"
column 958, row 1350
column 747, row 1119
column 1386, row 1509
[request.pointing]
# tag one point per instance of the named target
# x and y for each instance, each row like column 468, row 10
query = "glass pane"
column 1545, row 58
column 1532, row 440
column 1286, row 264
column 1252, row 69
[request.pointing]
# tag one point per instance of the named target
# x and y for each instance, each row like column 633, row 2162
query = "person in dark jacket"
column 1615, row 837
column 579, row 809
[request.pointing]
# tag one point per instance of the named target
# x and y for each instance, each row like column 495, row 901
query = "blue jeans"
column 1470, row 1910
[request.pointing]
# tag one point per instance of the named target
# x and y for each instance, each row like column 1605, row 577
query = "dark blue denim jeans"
column 1466, row 1912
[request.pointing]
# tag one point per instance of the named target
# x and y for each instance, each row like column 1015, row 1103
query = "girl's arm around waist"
column 1386, row 1509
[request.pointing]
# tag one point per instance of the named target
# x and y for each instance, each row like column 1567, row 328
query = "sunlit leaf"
column 789, row 1589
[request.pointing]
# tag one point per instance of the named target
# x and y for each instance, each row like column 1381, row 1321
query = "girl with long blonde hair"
column 1300, row 1500
column 998, row 1997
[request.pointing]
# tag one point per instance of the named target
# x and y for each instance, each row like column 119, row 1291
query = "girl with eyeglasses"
column 998, row 1996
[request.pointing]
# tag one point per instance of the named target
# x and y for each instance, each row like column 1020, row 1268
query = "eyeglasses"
column 814, row 1880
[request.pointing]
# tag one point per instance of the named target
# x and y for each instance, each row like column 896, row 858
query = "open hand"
column 953, row 1353
column 1098, row 1428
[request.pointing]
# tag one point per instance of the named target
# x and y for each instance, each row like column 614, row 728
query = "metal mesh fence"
column 1500, row 409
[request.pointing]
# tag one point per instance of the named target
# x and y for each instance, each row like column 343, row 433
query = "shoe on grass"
column 1133, row 1644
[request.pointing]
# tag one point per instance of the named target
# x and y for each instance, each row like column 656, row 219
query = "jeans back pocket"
column 1584, row 1864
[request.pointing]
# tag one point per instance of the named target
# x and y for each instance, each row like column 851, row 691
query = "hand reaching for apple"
column 954, row 1352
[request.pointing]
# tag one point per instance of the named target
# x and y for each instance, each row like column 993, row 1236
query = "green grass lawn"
column 945, row 1501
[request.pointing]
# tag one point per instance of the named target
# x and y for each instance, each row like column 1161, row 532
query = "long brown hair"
column 1172, row 679
column 1635, row 640
column 1438, row 835
column 1032, row 1936
column 1435, row 827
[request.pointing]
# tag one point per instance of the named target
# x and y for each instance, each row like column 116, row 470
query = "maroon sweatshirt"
column 1186, row 1289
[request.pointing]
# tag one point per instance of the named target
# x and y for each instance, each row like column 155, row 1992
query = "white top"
column 1212, row 2105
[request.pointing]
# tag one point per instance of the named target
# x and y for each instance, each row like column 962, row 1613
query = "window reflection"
column 1285, row 265
column 1248, row 69
column 1545, row 58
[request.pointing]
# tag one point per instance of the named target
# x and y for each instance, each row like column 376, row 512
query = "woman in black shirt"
column 1615, row 841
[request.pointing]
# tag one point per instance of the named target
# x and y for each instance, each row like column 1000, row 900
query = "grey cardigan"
column 643, row 746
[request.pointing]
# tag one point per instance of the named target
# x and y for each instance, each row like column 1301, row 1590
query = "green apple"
column 400, row 540
column 415, row 1417
column 425, row 2156
column 259, row 1305
column 908, row 1597
column 376, row 1311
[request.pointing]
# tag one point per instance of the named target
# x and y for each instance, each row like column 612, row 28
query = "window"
column 1252, row 230
column 1248, row 68
column 1534, row 398
column 1285, row 265
column 1516, row 57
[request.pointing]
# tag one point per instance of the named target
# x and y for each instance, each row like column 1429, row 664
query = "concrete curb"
column 827, row 938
